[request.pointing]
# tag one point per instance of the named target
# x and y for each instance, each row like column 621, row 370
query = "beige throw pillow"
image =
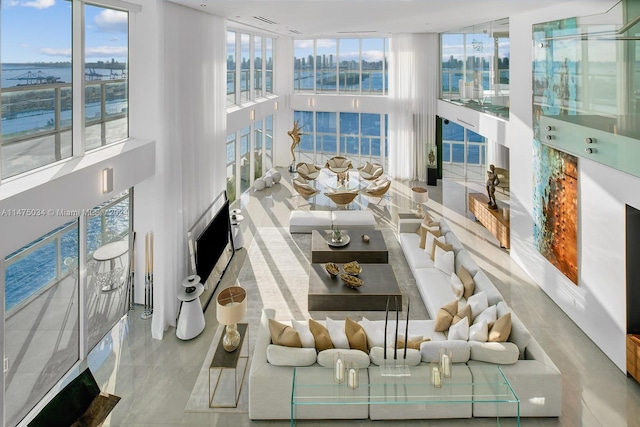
column 283, row 334
column 356, row 335
column 445, row 316
column 424, row 230
column 320, row 335
column 412, row 343
column 467, row 281
column 500, row 330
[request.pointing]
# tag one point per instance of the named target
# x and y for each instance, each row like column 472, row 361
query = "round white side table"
column 191, row 321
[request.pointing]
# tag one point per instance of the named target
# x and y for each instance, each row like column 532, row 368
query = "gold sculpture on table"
column 295, row 136
column 432, row 158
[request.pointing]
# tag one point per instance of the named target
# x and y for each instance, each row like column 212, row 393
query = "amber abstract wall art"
column 555, row 208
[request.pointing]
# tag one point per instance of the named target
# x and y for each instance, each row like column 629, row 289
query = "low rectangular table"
column 328, row 294
column 375, row 251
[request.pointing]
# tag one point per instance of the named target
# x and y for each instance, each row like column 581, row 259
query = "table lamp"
column 419, row 195
column 231, row 308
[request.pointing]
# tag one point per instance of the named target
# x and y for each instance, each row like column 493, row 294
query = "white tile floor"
column 155, row 378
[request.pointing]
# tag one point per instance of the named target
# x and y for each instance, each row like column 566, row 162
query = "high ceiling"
column 314, row 18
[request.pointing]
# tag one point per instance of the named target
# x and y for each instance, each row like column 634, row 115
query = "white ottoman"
column 259, row 184
column 307, row 221
column 277, row 176
column 268, row 180
column 350, row 220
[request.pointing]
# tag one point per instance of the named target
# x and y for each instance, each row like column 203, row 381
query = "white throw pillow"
column 478, row 303
column 429, row 242
column 456, row 286
column 479, row 332
column 325, row 357
column 374, row 331
column 490, row 315
column 306, row 337
column 459, row 331
column 444, row 260
column 337, row 333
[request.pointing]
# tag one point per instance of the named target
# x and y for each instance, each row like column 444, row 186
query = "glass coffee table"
column 387, row 395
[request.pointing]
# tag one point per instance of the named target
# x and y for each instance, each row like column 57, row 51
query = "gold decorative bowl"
column 332, row 269
column 351, row 281
column 352, row 268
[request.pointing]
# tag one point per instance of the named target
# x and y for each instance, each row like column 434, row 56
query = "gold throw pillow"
column 414, row 344
column 356, row 335
column 445, row 316
column 320, row 335
column 465, row 312
column 501, row 329
column 467, row 282
column 283, row 334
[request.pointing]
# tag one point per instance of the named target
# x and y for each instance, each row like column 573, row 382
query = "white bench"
column 307, row 221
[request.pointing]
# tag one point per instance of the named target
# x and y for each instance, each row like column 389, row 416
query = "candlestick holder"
column 435, row 374
column 445, row 359
column 353, row 375
column 339, row 368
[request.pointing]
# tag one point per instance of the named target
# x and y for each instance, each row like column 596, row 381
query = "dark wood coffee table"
column 327, row 294
column 373, row 252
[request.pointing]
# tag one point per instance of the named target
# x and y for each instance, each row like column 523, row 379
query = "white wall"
column 190, row 66
column 598, row 304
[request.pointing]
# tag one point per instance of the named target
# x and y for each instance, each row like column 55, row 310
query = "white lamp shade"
column 231, row 305
column 419, row 195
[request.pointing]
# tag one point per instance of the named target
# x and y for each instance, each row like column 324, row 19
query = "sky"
column 40, row 31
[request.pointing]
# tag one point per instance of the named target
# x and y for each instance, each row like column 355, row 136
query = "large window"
column 463, row 152
column 249, row 67
column 351, row 66
column 37, row 102
column 362, row 137
column 231, row 167
column 475, row 67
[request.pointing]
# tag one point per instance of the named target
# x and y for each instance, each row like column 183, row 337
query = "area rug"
column 276, row 274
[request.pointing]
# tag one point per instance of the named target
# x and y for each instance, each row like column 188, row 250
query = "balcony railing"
column 35, row 111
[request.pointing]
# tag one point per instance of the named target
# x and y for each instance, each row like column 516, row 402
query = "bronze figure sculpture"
column 492, row 183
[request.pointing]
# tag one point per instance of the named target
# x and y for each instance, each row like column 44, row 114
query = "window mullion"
column 78, row 80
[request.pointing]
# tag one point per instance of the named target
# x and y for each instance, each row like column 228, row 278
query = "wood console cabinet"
column 492, row 219
column 633, row 356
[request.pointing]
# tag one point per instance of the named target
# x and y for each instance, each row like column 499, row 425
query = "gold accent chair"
column 338, row 164
column 378, row 188
column 371, row 171
column 303, row 188
column 342, row 198
column 308, row 171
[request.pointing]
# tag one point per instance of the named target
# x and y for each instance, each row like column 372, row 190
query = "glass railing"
column 586, row 86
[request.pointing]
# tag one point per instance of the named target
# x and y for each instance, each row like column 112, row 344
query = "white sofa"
column 532, row 374
column 534, row 377
column 306, row 221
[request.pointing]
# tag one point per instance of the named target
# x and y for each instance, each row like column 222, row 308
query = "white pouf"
column 268, row 181
column 276, row 177
column 259, row 184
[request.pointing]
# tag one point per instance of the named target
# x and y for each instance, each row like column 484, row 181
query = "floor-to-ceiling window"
column 258, row 151
column 268, row 142
column 42, row 303
column 257, row 66
column 249, row 66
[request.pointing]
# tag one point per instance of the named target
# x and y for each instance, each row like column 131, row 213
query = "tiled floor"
column 156, row 378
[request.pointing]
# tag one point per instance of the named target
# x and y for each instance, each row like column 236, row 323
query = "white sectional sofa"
column 531, row 373
column 534, row 377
